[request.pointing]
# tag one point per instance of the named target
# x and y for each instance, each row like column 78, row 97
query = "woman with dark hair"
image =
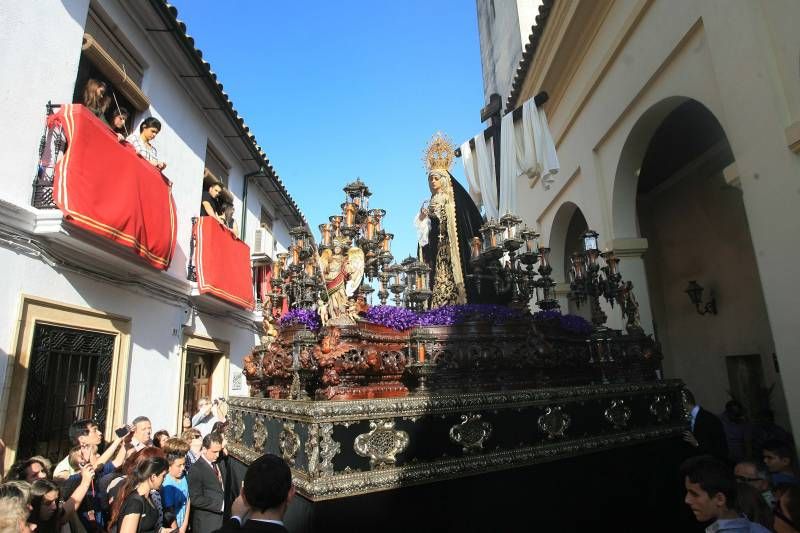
column 134, row 511
column 148, row 129
column 119, row 119
column 47, row 512
column 96, row 99
column 37, row 467
column 161, row 436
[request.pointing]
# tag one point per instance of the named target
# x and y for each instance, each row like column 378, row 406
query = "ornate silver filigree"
column 235, row 429
column 352, row 482
column 661, row 408
column 321, row 449
column 618, row 414
column 328, row 448
column 434, row 404
column 471, row 433
column 259, row 433
column 289, row 442
column 382, row 443
column 554, row 422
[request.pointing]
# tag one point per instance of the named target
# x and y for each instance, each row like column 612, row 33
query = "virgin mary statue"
column 445, row 225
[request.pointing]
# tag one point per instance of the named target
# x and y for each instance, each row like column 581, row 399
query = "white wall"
column 740, row 60
column 38, row 65
column 44, row 68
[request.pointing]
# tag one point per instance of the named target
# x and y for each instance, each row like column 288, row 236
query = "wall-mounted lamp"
column 695, row 292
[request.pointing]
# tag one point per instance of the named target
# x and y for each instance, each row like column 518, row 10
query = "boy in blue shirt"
column 175, row 489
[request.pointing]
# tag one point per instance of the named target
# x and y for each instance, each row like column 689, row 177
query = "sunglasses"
column 748, row 479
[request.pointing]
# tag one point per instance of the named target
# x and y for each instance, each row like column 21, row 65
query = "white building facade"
column 677, row 126
column 113, row 337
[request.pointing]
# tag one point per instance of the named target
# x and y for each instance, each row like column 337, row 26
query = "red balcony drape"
column 223, row 264
column 103, row 186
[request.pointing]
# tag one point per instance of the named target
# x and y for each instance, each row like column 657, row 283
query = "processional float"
column 361, row 398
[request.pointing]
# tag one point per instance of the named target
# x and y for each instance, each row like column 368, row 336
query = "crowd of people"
column 146, row 484
column 98, row 97
column 742, row 477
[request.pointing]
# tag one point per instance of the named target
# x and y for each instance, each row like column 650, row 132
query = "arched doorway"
column 674, row 187
column 569, row 223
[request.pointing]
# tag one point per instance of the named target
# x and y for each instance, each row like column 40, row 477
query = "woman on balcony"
column 148, row 129
column 96, row 99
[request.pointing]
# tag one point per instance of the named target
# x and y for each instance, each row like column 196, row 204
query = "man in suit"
column 265, row 495
column 706, row 434
column 207, row 487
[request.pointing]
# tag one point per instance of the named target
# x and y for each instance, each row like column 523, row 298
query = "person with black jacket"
column 207, row 487
column 706, row 434
column 264, row 498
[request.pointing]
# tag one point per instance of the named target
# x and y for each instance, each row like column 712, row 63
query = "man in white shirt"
column 142, row 428
column 81, row 432
column 207, row 415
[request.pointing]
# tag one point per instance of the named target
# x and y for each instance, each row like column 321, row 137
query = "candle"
column 295, row 255
column 349, row 214
column 421, row 352
column 325, row 230
column 370, row 227
column 387, row 242
column 476, row 247
column 310, row 269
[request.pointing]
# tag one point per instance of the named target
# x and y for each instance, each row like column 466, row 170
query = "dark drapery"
column 468, row 223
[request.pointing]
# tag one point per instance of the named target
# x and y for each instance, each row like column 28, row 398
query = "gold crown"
column 439, row 153
column 341, row 240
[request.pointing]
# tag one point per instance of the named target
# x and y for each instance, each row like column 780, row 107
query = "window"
column 216, row 169
column 266, row 219
column 105, row 57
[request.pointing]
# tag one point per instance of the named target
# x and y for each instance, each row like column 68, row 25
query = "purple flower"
column 568, row 323
column 398, row 318
column 575, row 324
column 402, row 319
column 305, row 317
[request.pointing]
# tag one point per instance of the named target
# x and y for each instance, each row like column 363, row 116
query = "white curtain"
column 526, row 150
column 527, row 159
column 469, row 171
column 546, row 150
column 486, row 180
column 509, row 166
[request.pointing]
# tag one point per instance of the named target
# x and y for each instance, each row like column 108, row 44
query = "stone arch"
column 623, row 200
column 558, row 238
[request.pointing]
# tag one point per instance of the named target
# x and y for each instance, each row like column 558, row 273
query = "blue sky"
column 339, row 90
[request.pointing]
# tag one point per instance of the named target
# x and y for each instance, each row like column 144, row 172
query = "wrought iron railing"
column 191, row 270
column 51, row 147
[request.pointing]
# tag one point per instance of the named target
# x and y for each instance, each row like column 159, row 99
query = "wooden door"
column 197, row 380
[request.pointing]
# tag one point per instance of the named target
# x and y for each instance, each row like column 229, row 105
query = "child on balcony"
column 148, row 129
column 119, row 117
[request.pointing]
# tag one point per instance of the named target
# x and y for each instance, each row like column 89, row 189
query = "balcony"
column 114, row 208
column 219, row 264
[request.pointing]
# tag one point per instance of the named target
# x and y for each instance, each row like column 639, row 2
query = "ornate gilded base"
column 344, row 448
